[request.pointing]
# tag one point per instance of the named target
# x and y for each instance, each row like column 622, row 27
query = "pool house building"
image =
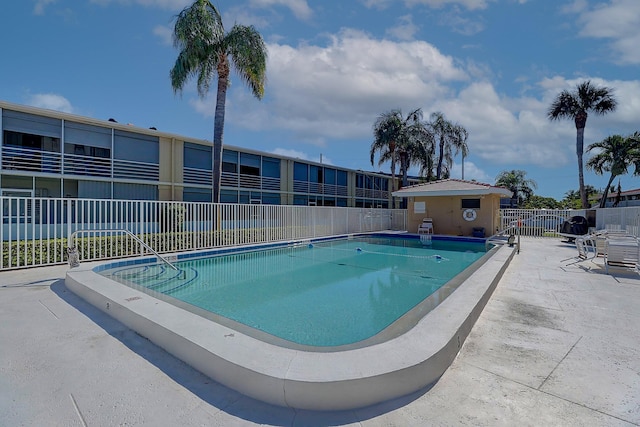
column 48, row 153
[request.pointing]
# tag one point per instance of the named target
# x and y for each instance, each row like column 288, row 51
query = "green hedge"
column 29, row 252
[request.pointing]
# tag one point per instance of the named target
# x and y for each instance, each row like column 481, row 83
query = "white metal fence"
column 547, row 222
column 537, row 222
column 627, row 218
column 35, row 230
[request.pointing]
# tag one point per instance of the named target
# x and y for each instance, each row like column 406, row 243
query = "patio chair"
column 621, row 251
column 425, row 230
column 586, row 246
column 426, row 227
column 602, row 235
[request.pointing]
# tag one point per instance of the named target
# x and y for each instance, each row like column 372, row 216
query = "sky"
column 492, row 66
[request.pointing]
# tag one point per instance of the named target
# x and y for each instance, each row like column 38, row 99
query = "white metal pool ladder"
column 499, row 238
column 75, row 262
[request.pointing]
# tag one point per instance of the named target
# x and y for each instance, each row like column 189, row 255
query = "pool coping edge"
column 294, row 378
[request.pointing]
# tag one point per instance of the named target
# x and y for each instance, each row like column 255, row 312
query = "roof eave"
column 432, row 193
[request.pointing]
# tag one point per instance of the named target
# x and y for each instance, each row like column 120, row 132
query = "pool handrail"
column 72, row 238
column 498, row 238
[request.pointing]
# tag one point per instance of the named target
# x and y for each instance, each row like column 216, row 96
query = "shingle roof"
column 451, row 187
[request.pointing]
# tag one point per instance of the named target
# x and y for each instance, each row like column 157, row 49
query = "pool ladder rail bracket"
column 74, row 258
column 506, row 236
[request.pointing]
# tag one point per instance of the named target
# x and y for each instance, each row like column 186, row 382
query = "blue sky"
column 493, row 66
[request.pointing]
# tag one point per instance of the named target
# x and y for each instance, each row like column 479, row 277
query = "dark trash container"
column 478, row 232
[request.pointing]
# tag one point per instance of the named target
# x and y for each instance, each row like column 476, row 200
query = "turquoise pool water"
column 324, row 294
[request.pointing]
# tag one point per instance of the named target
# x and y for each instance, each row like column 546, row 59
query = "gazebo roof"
column 451, row 187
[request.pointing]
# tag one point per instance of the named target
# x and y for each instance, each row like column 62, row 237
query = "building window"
column 229, row 161
column 31, row 141
column 197, row 156
column 315, row 174
column 342, row 178
column 300, row 200
column 249, row 164
column 196, row 195
column 270, row 198
column 329, row 176
column 250, row 197
column 86, row 150
column 300, row 172
column 270, row 167
column 135, row 191
column 136, row 147
column 470, row 203
column 228, row 196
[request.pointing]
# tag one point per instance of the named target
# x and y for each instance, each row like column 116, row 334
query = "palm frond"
column 248, row 53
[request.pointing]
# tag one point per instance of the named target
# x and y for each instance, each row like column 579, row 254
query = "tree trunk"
column 218, row 126
column 579, row 152
column 603, row 201
column 393, row 178
column 440, row 158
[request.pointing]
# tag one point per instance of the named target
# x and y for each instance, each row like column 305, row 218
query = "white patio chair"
column 621, row 251
column 586, row 246
column 425, row 230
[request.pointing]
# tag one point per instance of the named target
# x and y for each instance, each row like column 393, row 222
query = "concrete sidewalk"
column 555, row 345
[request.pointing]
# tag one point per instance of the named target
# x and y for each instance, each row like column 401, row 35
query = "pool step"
column 157, row 277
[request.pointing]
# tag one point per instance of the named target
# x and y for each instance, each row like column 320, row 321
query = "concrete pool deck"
column 555, row 345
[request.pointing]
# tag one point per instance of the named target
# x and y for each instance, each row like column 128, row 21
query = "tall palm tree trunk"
column 579, row 148
column 218, row 126
column 581, row 121
column 440, row 158
column 603, row 201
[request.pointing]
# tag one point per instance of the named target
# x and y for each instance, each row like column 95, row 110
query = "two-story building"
column 48, row 153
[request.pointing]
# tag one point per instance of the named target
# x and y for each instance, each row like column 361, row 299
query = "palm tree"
column 206, row 50
column 516, row 181
column 572, row 200
column 450, row 137
column 576, row 105
column 616, row 153
column 399, row 139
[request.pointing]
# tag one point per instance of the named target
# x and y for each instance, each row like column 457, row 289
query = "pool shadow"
column 214, row 393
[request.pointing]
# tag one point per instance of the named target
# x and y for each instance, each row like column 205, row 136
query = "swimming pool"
column 407, row 356
column 324, row 294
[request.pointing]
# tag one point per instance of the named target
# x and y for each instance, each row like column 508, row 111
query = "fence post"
column 69, row 216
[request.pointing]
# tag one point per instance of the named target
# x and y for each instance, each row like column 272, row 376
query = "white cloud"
column 334, row 92
column 299, row 8
column 163, row 4
column 616, row 21
column 461, row 25
column 405, row 29
column 40, row 5
column 50, row 101
column 471, row 172
column 296, row 154
column 469, row 4
column 337, row 90
column 164, row 33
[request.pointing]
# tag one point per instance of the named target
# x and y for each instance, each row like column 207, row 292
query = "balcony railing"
column 127, row 169
column 31, row 160
column 197, row 176
column 318, row 188
column 28, row 159
column 230, row 179
column 87, row 165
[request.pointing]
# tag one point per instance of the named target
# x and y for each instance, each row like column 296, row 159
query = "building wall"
column 53, row 154
column 447, row 214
